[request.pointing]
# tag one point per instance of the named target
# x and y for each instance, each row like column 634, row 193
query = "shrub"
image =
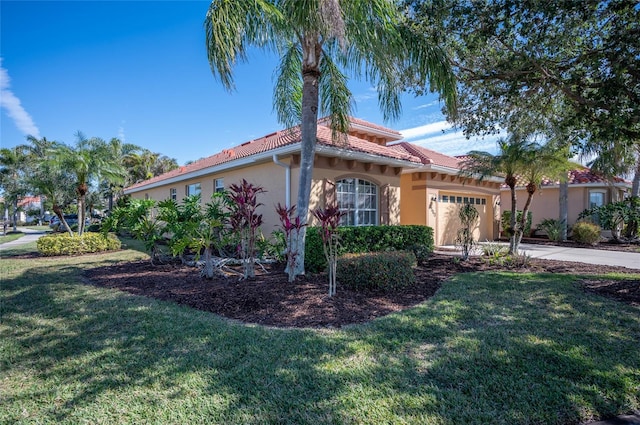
column 359, row 239
column 382, row 271
column 468, row 215
column 65, row 244
column 552, row 227
column 586, row 232
column 505, row 222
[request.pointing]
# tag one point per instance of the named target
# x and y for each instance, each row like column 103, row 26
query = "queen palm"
column 508, row 162
column 318, row 41
column 87, row 161
column 37, row 151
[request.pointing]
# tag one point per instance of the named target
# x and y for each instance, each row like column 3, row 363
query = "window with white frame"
column 596, row 198
column 218, row 185
column 173, row 194
column 193, row 189
column 358, row 199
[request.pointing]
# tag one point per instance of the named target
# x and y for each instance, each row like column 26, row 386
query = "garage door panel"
column 448, row 221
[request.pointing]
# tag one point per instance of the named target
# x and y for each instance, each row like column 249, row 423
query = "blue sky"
column 139, row 71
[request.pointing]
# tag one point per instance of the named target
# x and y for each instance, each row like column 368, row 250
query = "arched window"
column 359, row 200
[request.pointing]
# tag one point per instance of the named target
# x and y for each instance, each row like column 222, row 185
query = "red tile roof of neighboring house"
column 29, row 200
column 577, row 176
column 428, row 156
column 582, row 176
column 289, row 137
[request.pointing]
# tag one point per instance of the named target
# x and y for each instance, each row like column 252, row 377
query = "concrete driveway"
column 583, row 255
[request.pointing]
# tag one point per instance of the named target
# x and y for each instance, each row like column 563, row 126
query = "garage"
column 448, row 222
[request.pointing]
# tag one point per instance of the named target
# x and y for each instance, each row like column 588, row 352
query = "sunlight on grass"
column 499, row 348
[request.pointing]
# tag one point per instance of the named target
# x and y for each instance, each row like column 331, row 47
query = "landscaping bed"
column 268, row 299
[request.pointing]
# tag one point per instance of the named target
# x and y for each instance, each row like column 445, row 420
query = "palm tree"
column 88, row 160
column 12, row 166
column 117, row 152
column 519, row 159
column 317, row 42
column 508, row 162
column 37, row 152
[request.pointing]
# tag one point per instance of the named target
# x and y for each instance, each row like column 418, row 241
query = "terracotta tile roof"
column 284, row 138
column 583, row 176
column 577, row 176
column 428, row 156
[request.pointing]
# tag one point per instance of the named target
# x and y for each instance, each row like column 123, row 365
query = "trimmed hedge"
column 64, row 244
column 380, row 271
column 358, row 239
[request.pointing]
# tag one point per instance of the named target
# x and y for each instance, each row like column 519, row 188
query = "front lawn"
column 492, row 347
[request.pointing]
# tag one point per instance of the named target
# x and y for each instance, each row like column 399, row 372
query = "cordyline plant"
column 245, row 221
column 330, row 219
column 292, row 225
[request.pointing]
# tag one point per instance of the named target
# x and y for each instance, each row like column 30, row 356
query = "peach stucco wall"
column 546, row 202
column 421, row 194
column 272, row 178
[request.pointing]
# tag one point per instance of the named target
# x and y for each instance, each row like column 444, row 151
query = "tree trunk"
column 522, row 224
column 635, row 185
column 309, row 128
column 564, row 209
column 208, row 263
column 15, row 215
column 513, row 245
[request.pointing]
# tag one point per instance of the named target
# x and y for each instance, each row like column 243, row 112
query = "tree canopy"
column 556, row 67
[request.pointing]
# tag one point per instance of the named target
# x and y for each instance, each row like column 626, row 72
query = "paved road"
column 29, row 236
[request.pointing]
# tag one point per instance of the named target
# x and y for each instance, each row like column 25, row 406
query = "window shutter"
column 329, row 192
column 384, row 204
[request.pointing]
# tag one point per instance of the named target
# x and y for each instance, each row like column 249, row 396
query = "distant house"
column 372, row 176
column 586, row 189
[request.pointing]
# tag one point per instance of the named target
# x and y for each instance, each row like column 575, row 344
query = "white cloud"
column 426, row 105
column 423, row 130
column 121, row 133
column 14, row 108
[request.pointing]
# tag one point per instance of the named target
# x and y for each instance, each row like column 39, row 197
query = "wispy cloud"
column 371, row 93
column 121, row 132
column 426, row 105
column 14, row 108
column 440, row 136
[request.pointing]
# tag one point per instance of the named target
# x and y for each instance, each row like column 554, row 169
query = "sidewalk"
column 29, row 236
column 579, row 255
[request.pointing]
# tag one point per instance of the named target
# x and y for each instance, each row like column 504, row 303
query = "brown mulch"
column 268, row 299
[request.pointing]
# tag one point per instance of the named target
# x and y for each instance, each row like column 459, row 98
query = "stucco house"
column 371, row 175
column 586, row 189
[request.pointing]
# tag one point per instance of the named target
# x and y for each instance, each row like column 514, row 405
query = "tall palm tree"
column 318, row 41
column 117, row 152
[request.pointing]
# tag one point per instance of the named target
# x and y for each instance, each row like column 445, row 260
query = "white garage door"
column 448, row 222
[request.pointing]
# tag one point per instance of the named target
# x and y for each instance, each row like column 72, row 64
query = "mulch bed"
column 268, row 299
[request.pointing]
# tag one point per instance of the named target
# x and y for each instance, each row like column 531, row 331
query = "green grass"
column 489, row 348
column 10, row 236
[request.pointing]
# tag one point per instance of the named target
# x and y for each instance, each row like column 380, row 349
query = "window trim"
column 216, row 188
column 356, row 210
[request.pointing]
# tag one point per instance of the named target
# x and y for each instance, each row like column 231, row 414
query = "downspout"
column 287, row 180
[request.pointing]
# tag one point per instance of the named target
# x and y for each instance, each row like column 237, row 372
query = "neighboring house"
column 586, row 189
column 370, row 176
column 25, row 205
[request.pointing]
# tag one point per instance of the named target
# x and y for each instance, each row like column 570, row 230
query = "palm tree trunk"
column 309, row 128
column 513, row 245
column 564, row 209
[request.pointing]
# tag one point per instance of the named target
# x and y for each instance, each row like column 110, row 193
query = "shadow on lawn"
column 505, row 349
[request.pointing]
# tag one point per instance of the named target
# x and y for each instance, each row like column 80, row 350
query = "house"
column 371, row 175
column 586, row 189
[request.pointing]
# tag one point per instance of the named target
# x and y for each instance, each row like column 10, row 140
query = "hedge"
column 379, row 271
column 358, row 239
column 64, row 244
